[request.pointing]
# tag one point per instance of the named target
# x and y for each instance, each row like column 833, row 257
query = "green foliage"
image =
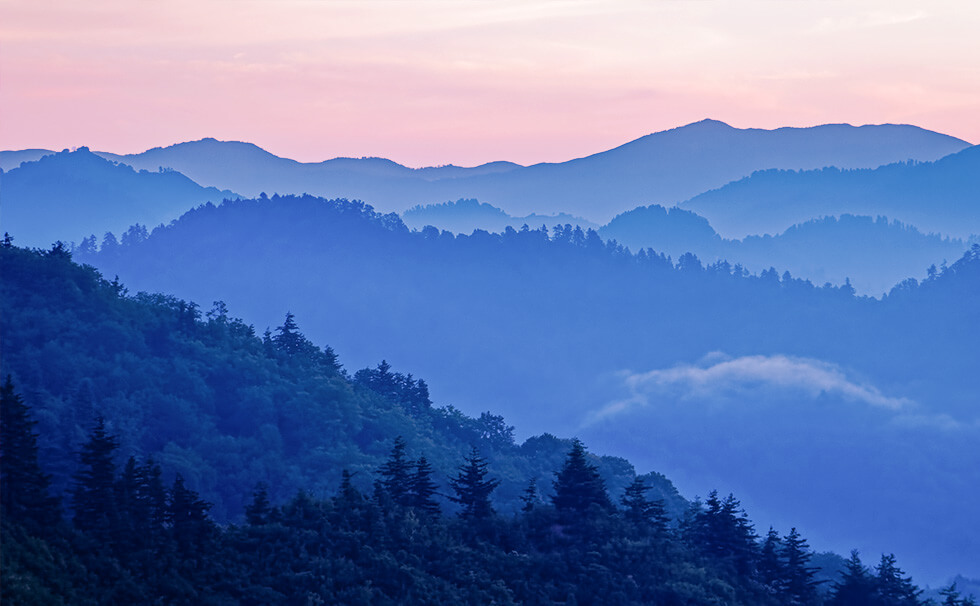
column 422, row 488
column 161, row 546
column 473, row 488
column 395, row 474
column 93, row 498
column 220, row 408
column 856, row 587
column 24, row 487
column 578, row 485
column 208, row 398
column 645, row 515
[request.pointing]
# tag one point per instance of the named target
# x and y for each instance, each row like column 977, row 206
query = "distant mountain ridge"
column 465, row 216
column 874, row 253
column 12, row 159
column 666, row 168
column 70, row 195
column 941, row 196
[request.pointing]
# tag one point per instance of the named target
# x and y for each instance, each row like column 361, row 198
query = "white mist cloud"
column 718, row 377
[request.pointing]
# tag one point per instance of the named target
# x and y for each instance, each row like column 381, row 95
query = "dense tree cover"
column 466, row 215
column 538, row 325
column 208, row 399
column 357, row 278
column 80, row 346
column 133, row 541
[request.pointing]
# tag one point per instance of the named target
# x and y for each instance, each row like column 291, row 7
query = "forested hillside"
column 227, row 408
column 559, row 331
column 120, row 412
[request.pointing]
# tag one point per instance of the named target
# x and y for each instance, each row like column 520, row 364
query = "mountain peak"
column 708, row 123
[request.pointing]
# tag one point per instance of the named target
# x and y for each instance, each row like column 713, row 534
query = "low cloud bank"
column 720, row 377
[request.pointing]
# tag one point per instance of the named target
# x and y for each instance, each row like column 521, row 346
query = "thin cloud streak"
column 721, row 377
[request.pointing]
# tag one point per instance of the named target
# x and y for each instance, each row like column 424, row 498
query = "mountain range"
column 71, row 195
column 764, row 385
column 941, row 196
column 666, row 168
column 872, row 253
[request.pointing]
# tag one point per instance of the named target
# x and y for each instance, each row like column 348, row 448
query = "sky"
column 471, row 81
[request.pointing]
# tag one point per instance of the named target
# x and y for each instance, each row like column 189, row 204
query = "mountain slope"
column 662, row 168
column 674, row 367
column 671, row 166
column 941, row 196
column 71, row 195
column 207, row 398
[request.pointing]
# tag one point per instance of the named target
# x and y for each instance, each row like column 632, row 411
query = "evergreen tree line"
column 209, row 398
column 128, row 538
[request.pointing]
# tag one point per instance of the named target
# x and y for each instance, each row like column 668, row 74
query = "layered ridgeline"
column 713, row 376
column 873, row 254
column 181, row 406
column 941, row 196
column 666, row 167
column 70, row 195
column 874, row 226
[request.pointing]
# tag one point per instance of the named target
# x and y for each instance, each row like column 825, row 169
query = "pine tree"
column 951, row 597
column 770, row 569
column 642, row 513
column 721, row 531
column 23, row 486
column 139, row 536
column 395, row 474
column 126, row 536
column 578, row 485
column 94, row 495
column 894, row 589
column 289, row 341
column 259, row 511
column 472, row 487
column 800, row 587
column 529, row 498
column 856, row 587
column 188, row 515
column 348, row 493
column 422, row 488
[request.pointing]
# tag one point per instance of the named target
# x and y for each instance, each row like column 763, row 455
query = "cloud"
column 719, row 377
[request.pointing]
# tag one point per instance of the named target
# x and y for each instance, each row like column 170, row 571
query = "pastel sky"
column 470, row 81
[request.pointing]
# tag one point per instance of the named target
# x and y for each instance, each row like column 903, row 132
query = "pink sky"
column 470, row 81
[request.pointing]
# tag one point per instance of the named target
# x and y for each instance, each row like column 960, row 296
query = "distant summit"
column 70, row 195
